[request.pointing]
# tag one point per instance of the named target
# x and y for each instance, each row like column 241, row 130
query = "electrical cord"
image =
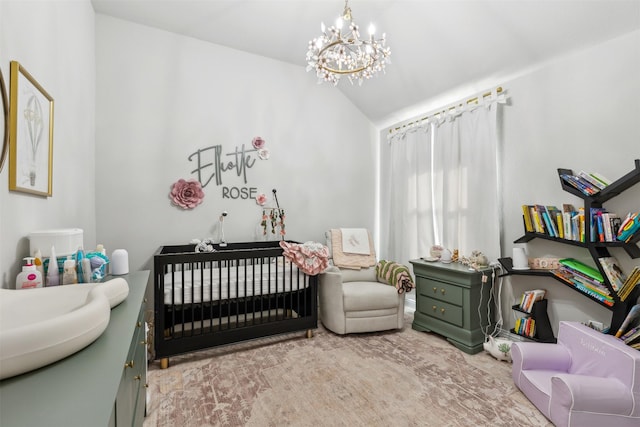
column 499, row 322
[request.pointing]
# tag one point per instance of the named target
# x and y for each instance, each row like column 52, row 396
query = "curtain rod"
column 468, row 101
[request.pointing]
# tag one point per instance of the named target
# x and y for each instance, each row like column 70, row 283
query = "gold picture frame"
column 30, row 134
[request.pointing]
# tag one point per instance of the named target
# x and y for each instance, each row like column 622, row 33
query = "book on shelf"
column 584, row 280
column 525, row 326
column 610, row 224
column 630, row 284
column 529, row 297
column 574, row 264
column 614, row 273
column 628, row 320
column 629, row 227
column 632, row 335
column 528, row 222
column 591, row 178
column 603, row 180
column 580, row 184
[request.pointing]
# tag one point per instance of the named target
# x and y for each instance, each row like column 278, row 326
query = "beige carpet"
column 402, row 378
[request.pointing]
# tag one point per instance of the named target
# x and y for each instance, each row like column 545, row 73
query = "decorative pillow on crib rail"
column 394, row 274
column 310, row 257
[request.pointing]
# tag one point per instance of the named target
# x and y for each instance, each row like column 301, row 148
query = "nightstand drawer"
column 440, row 310
column 440, row 290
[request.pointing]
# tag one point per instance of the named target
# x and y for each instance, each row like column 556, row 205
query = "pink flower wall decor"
column 186, row 194
column 263, row 153
column 258, row 143
column 261, row 199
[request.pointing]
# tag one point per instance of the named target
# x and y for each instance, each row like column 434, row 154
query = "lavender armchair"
column 586, row 379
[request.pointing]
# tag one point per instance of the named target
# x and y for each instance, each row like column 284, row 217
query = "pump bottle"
column 30, row 277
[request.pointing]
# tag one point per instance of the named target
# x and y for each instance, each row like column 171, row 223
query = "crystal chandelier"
column 335, row 53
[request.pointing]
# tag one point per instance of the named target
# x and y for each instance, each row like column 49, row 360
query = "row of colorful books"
column 584, row 278
column 605, row 226
column 570, row 223
column 566, row 224
column 529, row 297
column 588, row 183
column 525, row 326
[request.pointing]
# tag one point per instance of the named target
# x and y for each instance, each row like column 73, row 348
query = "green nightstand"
column 447, row 301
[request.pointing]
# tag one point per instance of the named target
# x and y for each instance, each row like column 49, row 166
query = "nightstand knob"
column 129, row 364
column 137, row 378
column 434, row 308
column 139, row 324
column 442, row 290
column 442, row 310
column 435, row 289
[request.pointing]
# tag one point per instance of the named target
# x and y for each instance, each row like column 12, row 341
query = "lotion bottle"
column 69, row 275
column 53, row 275
column 30, row 277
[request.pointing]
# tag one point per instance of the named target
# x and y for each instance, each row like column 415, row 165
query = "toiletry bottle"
column 101, row 250
column 29, row 277
column 79, row 258
column 86, row 270
column 53, row 274
column 37, row 261
column 69, row 275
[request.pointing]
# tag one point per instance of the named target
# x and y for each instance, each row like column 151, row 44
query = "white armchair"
column 355, row 301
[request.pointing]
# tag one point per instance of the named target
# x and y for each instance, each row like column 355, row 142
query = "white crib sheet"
column 203, row 285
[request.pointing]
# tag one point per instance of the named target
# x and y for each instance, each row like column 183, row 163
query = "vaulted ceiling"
column 437, row 46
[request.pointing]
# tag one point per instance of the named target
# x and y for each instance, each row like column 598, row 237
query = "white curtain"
column 444, row 186
column 408, row 228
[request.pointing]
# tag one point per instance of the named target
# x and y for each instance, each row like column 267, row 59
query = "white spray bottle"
column 53, row 274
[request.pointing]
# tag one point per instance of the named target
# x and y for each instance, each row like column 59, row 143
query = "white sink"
column 43, row 325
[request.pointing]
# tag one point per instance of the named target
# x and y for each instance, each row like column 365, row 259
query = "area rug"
column 396, row 378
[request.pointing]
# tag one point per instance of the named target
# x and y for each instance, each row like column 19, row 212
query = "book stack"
column 529, row 297
column 604, row 225
column 630, row 284
column 587, row 183
column 525, row 326
column 584, row 278
column 543, row 219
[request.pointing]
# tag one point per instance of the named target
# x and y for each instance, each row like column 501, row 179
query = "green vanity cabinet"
column 130, row 402
column 103, row 384
column 447, row 301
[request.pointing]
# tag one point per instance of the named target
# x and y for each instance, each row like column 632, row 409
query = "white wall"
column 579, row 112
column 54, row 42
column 161, row 97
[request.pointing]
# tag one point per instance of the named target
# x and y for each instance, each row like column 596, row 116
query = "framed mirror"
column 4, row 122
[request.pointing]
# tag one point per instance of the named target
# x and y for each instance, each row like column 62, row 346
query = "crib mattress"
column 215, row 284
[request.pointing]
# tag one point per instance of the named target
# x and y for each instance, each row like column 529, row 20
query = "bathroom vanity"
column 102, row 385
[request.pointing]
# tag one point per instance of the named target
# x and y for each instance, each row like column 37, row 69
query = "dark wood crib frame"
column 183, row 328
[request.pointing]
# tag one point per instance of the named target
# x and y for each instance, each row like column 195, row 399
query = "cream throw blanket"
column 348, row 260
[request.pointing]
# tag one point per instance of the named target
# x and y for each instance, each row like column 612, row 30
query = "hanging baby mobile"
column 271, row 216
